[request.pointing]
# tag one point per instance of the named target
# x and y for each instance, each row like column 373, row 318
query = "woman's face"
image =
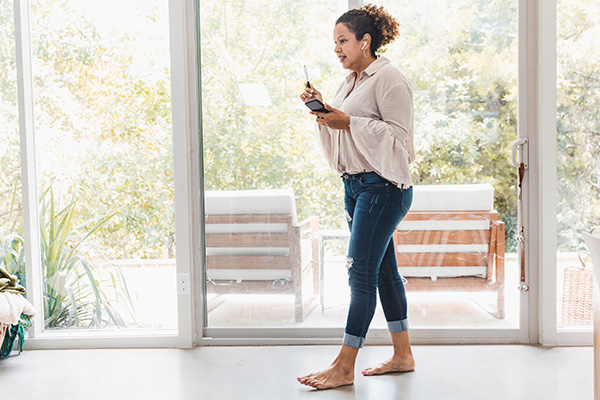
column 347, row 48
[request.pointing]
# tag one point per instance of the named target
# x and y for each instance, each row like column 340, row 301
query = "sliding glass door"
column 104, row 163
column 462, row 60
column 12, row 244
column 95, row 88
column 267, row 188
column 275, row 231
column 578, row 141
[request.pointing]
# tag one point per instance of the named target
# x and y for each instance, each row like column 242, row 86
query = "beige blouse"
column 381, row 125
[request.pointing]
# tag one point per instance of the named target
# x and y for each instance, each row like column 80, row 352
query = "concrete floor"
column 220, row 373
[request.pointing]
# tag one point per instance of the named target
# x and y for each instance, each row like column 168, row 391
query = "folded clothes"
column 8, row 282
column 12, row 305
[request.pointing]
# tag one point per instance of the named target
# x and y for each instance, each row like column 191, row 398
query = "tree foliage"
column 10, row 177
column 460, row 58
column 99, row 98
column 273, row 146
column 578, row 121
column 103, row 107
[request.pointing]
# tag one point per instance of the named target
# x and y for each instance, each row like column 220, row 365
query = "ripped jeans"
column 374, row 207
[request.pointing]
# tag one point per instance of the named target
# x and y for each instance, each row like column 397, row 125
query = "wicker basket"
column 578, row 293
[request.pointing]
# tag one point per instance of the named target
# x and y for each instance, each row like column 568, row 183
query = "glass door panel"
column 267, row 187
column 104, row 163
column 269, row 194
column 456, row 248
column 578, row 135
column 11, row 205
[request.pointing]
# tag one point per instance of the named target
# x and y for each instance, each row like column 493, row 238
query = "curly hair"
column 373, row 20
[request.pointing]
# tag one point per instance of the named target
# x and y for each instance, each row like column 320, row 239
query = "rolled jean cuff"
column 353, row 341
column 398, row 326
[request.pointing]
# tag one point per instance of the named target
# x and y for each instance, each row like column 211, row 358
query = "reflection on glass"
column 104, row 152
column 264, row 173
column 578, row 128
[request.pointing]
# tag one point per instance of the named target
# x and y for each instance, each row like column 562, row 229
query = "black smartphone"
column 316, row 105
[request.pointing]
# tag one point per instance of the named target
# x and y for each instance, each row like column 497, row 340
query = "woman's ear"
column 366, row 39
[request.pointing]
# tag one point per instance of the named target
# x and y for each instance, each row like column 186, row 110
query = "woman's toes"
column 311, row 382
column 390, row 366
column 370, row 371
column 306, row 381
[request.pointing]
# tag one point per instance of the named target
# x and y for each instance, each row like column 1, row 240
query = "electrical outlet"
column 183, row 284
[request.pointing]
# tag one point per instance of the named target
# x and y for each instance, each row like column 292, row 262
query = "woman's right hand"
column 310, row 93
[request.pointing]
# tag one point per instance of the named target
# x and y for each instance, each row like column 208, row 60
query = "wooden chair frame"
column 493, row 280
column 291, row 239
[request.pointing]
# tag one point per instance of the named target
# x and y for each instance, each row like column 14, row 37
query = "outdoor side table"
column 324, row 236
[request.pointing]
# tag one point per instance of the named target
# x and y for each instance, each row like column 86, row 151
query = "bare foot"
column 330, row 378
column 394, row 364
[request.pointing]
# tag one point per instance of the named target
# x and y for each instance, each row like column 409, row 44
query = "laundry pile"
column 16, row 313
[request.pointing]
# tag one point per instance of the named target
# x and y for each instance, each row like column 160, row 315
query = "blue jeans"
column 374, row 208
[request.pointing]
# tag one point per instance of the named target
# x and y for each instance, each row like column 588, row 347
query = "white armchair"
column 255, row 245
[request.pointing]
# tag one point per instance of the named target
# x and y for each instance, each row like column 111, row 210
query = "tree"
column 461, row 60
column 10, row 177
column 578, row 121
column 270, row 146
column 94, row 95
column 104, row 122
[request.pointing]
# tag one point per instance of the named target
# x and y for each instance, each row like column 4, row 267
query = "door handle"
column 520, row 160
column 520, row 148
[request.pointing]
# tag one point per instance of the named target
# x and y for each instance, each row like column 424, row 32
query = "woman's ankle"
column 401, row 344
column 346, row 359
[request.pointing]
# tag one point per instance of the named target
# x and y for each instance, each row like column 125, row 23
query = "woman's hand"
column 335, row 118
column 310, row 93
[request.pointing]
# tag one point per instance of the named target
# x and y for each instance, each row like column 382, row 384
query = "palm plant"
column 78, row 294
column 12, row 254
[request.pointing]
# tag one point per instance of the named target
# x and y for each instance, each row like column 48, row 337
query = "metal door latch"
column 523, row 288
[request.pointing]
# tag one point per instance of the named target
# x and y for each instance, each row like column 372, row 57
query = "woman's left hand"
column 335, row 118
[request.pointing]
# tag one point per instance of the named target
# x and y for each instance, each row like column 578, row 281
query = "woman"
column 367, row 136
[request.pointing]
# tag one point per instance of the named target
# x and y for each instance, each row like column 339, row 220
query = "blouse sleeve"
column 326, row 142
column 375, row 138
column 328, row 138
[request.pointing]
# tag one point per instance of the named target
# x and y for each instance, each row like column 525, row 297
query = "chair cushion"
column 266, row 201
column 475, row 197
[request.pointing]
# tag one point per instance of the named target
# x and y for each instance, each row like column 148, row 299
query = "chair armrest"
column 311, row 223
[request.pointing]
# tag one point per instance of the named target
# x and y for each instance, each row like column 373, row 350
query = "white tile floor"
column 509, row 372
